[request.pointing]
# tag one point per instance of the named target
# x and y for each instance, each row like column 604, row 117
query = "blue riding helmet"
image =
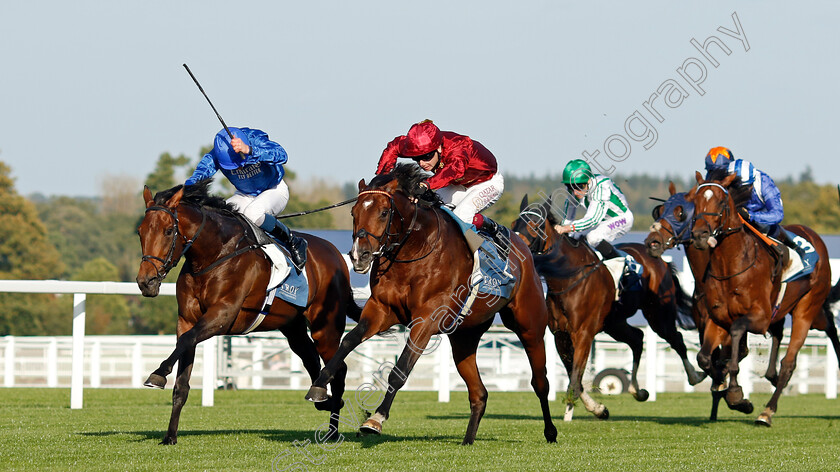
column 719, row 158
column 225, row 156
column 743, row 169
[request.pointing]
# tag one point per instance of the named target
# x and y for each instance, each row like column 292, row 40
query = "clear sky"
column 93, row 90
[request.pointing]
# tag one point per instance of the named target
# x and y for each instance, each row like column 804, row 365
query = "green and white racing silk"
column 603, row 200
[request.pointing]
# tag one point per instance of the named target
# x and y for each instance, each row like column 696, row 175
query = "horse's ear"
column 147, row 196
column 362, row 185
column 176, row 199
column 728, row 180
column 698, row 176
column 672, row 188
column 524, row 203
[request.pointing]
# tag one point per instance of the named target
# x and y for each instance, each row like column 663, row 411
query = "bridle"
column 719, row 232
column 170, row 261
column 390, row 242
column 539, row 245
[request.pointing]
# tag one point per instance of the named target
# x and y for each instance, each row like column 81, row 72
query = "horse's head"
column 671, row 223
column 158, row 241
column 715, row 214
column 535, row 225
column 380, row 225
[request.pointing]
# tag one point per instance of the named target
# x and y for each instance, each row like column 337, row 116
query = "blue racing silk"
column 765, row 203
column 261, row 170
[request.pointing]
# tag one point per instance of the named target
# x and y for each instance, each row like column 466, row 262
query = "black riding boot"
column 491, row 228
column 295, row 244
column 785, row 238
column 607, row 250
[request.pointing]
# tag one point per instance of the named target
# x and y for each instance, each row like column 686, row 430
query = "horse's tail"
column 685, row 302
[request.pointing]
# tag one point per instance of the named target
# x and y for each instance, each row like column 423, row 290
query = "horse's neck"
column 212, row 235
column 698, row 260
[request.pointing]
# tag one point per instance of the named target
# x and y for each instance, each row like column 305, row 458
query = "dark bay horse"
column 420, row 269
column 742, row 283
column 581, row 300
column 222, row 288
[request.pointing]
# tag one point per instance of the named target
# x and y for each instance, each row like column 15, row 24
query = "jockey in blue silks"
column 254, row 165
column 764, row 209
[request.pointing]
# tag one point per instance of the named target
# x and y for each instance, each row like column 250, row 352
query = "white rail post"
column 651, row 360
column 78, row 368
column 52, row 363
column 137, row 365
column 830, row 371
column 9, row 362
column 208, row 372
column 257, row 365
column 551, row 365
column 746, row 374
column 444, row 353
column 96, row 364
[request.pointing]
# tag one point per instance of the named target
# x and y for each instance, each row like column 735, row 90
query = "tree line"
column 95, row 239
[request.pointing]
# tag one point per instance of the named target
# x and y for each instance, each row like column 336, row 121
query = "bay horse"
column 581, row 301
column 743, row 282
column 222, row 286
column 672, row 228
column 420, row 267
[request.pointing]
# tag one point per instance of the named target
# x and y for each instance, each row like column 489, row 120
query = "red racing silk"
column 463, row 161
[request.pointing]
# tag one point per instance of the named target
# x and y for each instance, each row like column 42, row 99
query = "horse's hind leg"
column 318, row 391
column 179, row 394
column 326, row 342
column 633, row 337
column 533, row 340
column 301, row 344
column 776, row 331
column 464, row 345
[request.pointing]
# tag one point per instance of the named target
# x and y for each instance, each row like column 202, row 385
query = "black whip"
column 345, row 202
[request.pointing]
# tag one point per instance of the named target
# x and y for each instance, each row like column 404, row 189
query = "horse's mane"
column 196, row 194
column 408, row 177
column 740, row 193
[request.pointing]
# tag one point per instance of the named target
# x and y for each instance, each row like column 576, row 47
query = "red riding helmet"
column 422, row 138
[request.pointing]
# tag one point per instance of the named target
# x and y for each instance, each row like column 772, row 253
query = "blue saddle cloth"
column 495, row 279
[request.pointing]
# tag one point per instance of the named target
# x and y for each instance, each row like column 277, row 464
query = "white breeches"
column 471, row 200
column 609, row 229
column 273, row 201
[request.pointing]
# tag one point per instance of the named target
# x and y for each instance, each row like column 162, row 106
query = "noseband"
column 170, row 261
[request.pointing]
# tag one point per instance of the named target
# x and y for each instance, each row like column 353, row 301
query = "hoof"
column 317, row 394
column 167, row 441
column 763, row 421
column 642, row 395
column 604, row 415
column 371, row 427
column 550, row 434
column 744, row 406
column 696, row 378
column 156, row 381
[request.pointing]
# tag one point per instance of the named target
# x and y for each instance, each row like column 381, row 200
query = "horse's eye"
column 679, row 214
column 383, row 214
column 168, row 232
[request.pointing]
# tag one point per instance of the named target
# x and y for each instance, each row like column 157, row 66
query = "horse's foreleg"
column 582, row 346
column 188, row 340
column 634, row 338
column 664, row 323
column 735, row 394
column 326, row 342
column 179, row 394
column 418, row 340
column 318, row 391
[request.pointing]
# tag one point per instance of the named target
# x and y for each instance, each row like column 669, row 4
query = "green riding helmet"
column 577, row 172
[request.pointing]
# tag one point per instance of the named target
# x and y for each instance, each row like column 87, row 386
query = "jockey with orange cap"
column 764, row 209
column 465, row 172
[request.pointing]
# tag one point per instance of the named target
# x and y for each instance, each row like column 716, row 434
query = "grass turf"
column 119, row 429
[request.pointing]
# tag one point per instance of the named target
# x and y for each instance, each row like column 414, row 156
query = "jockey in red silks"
column 465, row 176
